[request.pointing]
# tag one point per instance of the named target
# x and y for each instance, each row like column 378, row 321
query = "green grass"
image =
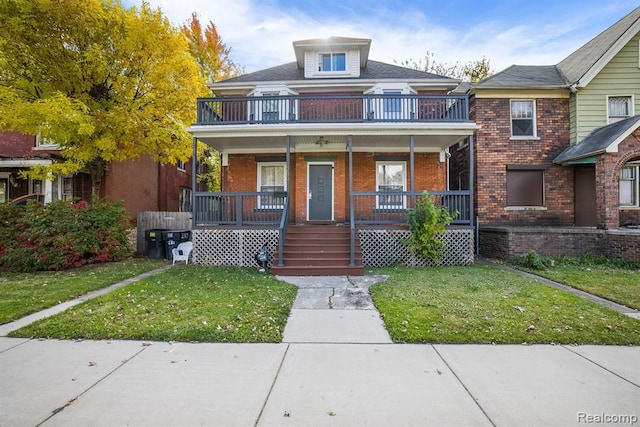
column 483, row 304
column 615, row 281
column 25, row 293
column 186, row 303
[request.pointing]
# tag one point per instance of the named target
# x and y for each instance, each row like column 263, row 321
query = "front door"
column 320, row 193
column 585, row 196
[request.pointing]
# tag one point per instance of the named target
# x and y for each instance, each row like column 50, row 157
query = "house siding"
column 621, row 76
column 495, row 151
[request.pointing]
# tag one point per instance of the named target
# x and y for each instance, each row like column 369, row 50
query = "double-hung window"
column 332, row 62
column 619, row 108
column 390, row 178
column 271, row 179
column 628, row 185
column 523, row 119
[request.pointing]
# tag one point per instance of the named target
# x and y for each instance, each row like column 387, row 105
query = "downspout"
column 472, row 191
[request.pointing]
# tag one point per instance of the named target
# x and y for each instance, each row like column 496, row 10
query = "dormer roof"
column 333, row 44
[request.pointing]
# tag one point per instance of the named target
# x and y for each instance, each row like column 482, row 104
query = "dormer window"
column 332, row 62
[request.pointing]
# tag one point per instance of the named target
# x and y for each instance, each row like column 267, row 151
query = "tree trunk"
column 96, row 169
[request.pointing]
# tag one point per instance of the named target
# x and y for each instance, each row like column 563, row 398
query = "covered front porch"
column 359, row 177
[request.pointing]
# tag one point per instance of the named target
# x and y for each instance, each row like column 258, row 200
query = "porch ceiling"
column 379, row 137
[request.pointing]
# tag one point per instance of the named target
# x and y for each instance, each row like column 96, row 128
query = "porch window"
column 628, row 185
column 525, row 187
column 270, row 108
column 390, row 178
column 392, row 106
column 271, row 179
column 523, row 119
column 332, row 62
column 619, row 108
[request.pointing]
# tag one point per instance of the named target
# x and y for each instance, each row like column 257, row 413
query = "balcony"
column 289, row 109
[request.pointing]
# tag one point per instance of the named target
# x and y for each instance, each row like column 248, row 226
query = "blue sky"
column 260, row 32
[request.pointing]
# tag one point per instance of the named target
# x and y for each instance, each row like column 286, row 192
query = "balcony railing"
column 370, row 208
column 379, row 208
column 332, row 109
column 239, row 210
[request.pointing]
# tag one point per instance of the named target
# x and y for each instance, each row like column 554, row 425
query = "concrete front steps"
column 318, row 250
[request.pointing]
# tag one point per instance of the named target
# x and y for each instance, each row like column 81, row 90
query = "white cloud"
column 260, row 33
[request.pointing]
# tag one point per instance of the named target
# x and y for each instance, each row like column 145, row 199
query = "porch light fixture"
column 321, row 141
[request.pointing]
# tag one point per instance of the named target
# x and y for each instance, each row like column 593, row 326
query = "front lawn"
column 611, row 279
column 185, row 303
column 25, row 293
column 484, row 304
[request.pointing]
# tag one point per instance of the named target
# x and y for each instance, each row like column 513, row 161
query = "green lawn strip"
column 484, row 304
column 25, row 293
column 615, row 284
column 186, row 303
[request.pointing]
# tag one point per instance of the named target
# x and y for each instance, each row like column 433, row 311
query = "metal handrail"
column 282, row 231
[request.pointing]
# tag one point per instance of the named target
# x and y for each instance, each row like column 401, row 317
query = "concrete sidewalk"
column 109, row 383
column 336, row 366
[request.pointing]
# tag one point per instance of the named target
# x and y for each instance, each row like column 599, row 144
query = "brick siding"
column 495, row 150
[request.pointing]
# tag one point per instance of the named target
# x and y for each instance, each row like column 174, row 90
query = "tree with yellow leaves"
column 104, row 82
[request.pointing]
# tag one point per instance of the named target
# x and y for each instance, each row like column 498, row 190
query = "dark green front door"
column 320, row 192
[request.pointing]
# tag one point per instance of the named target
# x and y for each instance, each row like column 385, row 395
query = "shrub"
column 534, row 261
column 427, row 224
column 62, row 235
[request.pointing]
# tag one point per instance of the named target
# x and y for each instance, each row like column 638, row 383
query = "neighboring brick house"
column 143, row 185
column 558, row 147
column 334, row 141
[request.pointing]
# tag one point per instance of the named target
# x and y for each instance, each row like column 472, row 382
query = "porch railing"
column 374, row 208
column 284, row 221
column 332, row 109
column 238, row 210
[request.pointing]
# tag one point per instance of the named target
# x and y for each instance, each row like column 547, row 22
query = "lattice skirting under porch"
column 232, row 247
column 380, row 248
column 384, row 248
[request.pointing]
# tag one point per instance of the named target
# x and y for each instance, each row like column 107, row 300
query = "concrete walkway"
column 334, row 309
column 336, row 366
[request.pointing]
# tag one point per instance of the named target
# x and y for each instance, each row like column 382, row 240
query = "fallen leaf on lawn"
column 531, row 328
column 609, row 327
column 520, row 309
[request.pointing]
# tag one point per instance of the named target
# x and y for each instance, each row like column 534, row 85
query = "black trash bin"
column 155, row 243
column 172, row 238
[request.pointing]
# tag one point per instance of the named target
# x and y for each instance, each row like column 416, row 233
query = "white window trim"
column 404, row 183
column 259, row 181
column 346, row 62
column 636, row 205
column 377, row 107
column 631, row 106
column 181, row 165
column 45, row 143
column 535, row 124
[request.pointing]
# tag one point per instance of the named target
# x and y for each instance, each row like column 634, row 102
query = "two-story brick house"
column 143, row 185
column 331, row 149
column 558, row 148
